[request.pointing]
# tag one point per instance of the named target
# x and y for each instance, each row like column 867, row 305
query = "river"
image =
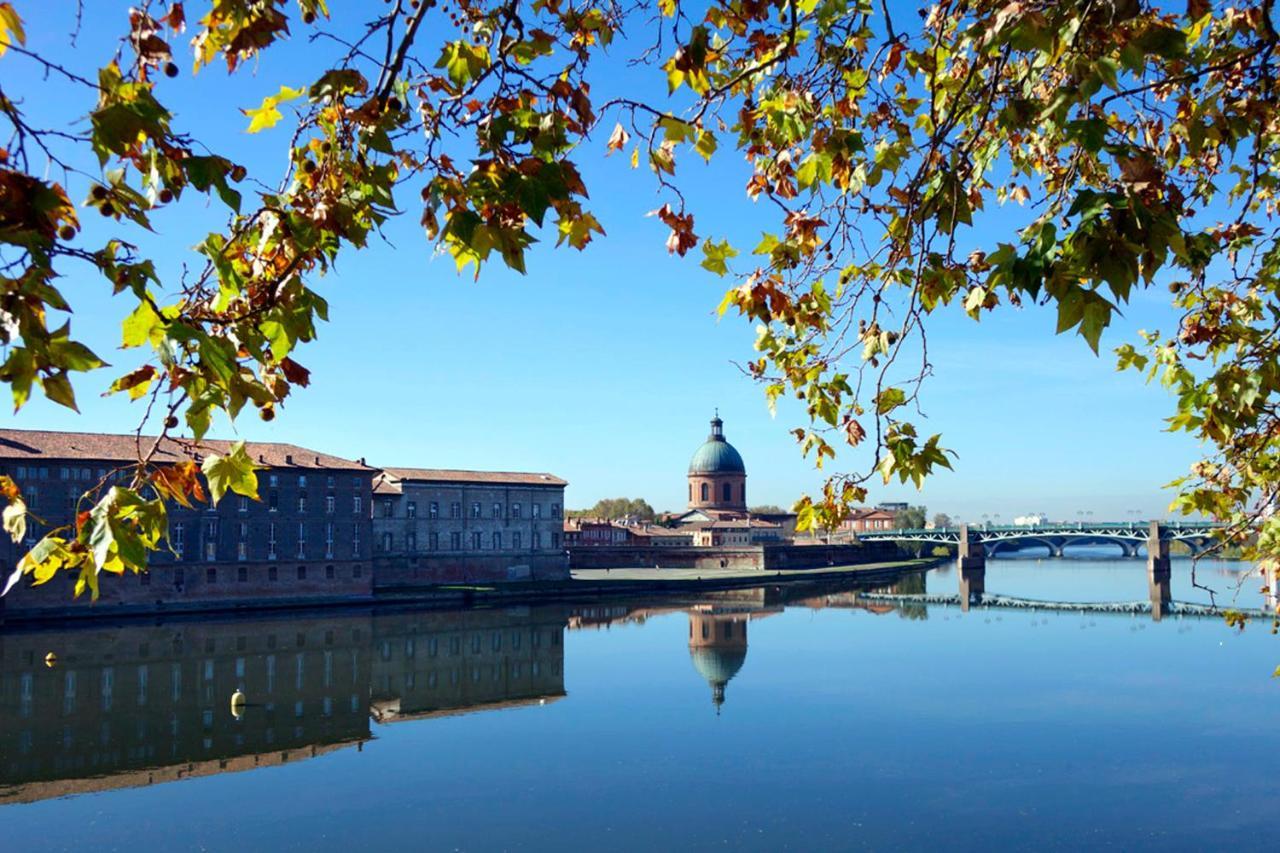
column 763, row 719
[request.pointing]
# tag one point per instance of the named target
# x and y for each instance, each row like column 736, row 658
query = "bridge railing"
column 1047, row 529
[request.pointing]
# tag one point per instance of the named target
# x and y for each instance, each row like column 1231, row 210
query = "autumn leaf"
column 682, row 238
column 10, row 28
column 268, row 114
column 618, row 139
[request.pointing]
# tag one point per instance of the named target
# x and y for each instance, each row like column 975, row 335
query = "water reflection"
column 135, row 705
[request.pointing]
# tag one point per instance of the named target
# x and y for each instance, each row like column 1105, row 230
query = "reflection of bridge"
column 1130, row 536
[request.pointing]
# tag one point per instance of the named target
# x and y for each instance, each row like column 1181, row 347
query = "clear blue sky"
column 604, row 367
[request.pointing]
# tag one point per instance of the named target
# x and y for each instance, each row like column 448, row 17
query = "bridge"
column 975, row 544
column 1130, row 536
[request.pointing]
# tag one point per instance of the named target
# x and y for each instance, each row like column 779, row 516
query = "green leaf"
column 142, row 325
column 233, row 471
column 58, row 389
column 890, row 399
column 463, row 61
column 714, row 257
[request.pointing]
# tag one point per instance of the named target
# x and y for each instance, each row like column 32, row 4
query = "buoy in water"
column 237, row 704
column 50, row 660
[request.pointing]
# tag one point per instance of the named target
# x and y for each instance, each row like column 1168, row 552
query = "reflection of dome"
column 717, row 456
column 718, row 649
column 718, row 665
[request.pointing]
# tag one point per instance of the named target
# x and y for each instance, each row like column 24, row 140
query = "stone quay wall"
column 405, row 572
column 764, row 558
column 195, row 587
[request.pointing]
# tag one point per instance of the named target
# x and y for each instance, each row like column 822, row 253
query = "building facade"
column 309, row 536
column 437, row 525
column 593, row 531
column 869, row 520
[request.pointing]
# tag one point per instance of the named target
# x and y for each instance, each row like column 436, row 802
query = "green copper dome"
column 717, row 456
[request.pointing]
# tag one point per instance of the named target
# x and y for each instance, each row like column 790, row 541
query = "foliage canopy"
column 1139, row 139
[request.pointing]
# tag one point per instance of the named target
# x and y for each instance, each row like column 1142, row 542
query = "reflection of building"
column 136, row 705
column 434, row 525
column 718, row 648
column 144, row 704
column 438, row 664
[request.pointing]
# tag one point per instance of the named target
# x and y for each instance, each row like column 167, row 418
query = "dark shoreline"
column 452, row 596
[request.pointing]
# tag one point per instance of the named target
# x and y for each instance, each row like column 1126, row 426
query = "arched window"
column 691, row 491
column 726, row 492
column 705, row 493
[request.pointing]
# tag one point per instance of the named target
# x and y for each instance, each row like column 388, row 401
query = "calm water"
column 765, row 719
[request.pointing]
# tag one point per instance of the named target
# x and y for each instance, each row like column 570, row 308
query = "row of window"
column 330, row 480
column 477, row 509
column 330, row 503
column 495, row 541
column 212, row 574
column 178, row 540
column 32, row 496
column 726, row 492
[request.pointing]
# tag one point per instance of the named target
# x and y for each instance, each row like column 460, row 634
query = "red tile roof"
column 47, row 446
column 444, row 475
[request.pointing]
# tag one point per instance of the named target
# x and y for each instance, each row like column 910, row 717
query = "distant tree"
column 766, row 509
column 942, row 520
column 617, row 508
column 911, row 518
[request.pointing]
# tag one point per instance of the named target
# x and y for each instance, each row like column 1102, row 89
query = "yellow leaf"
column 268, row 115
column 10, row 28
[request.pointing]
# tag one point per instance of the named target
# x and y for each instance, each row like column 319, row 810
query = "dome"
column 717, row 456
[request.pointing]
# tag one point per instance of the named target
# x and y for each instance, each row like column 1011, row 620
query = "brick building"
column 308, row 538
column 432, row 525
column 594, row 531
column 868, row 520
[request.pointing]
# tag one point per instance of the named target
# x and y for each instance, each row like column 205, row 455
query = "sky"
column 605, row 366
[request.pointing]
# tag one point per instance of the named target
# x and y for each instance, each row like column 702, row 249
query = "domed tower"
column 718, row 648
column 717, row 476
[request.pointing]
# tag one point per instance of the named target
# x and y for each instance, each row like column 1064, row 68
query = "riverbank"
column 583, row 584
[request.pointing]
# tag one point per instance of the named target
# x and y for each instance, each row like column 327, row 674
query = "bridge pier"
column 1159, row 571
column 971, row 562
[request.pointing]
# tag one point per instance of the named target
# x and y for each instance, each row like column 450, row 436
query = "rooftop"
column 448, row 475
column 48, row 446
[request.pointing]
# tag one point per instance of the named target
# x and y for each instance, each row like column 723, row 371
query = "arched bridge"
column 1130, row 536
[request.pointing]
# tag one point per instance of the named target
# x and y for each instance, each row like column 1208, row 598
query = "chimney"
column 288, row 459
column 362, row 460
column 317, row 461
column 262, row 457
